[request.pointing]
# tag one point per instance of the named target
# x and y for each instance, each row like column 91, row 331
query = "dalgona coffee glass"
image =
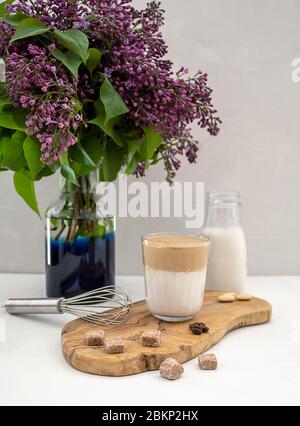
column 175, row 271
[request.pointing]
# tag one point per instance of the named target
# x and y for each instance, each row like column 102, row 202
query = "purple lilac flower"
column 50, row 96
column 169, row 151
column 61, row 14
column 6, row 33
column 136, row 65
column 134, row 59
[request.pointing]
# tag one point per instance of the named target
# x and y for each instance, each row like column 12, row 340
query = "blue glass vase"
column 80, row 241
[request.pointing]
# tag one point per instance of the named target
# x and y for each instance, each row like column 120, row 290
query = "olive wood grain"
column 177, row 340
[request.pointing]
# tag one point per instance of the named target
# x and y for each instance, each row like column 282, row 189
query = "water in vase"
column 80, row 262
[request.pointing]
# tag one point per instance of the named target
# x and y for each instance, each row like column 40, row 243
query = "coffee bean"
column 198, row 328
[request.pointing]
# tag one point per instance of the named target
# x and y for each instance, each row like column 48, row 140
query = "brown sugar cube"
column 114, row 346
column 151, row 338
column 171, row 369
column 95, row 338
column 207, row 362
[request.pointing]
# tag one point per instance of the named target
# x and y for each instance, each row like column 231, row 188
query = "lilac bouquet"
column 88, row 87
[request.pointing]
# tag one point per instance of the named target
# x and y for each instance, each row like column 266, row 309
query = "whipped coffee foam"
column 178, row 253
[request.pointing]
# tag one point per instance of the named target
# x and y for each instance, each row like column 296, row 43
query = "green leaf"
column 15, row 19
column 94, row 59
column 29, row 27
column 3, row 93
column 68, row 174
column 13, row 156
column 45, row 172
column 64, row 161
column 134, row 139
column 69, row 59
column 133, row 157
column 66, row 171
column 32, row 152
column 3, row 9
column 113, row 103
column 107, row 128
column 80, row 169
column 3, row 88
column 6, row 132
column 3, row 142
column 113, row 159
column 152, row 141
column 5, row 100
column 133, row 164
column 54, row 166
column 5, row 135
column 25, row 188
column 93, row 145
column 75, row 41
column 133, row 147
column 77, row 153
column 19, row 116
column 11, row 119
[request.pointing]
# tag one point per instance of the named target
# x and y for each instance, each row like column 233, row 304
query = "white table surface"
column 257, row 365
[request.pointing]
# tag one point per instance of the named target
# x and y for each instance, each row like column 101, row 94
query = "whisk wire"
column 105, row 306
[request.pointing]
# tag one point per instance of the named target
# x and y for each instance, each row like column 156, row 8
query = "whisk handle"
column 33, row 306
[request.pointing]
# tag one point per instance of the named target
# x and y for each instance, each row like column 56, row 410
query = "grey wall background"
column 246, row 46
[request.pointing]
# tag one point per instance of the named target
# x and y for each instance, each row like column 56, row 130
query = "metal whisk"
column 104, row 306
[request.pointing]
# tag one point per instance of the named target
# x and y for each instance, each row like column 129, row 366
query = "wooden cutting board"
column 177, row 340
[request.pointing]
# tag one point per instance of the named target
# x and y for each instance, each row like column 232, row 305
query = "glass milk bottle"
column 227, row 260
